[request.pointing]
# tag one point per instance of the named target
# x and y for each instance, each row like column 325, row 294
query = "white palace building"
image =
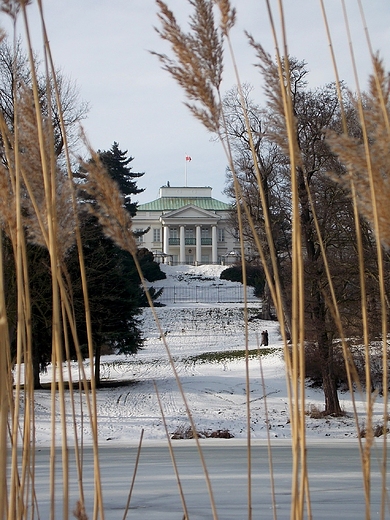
column 187, row 226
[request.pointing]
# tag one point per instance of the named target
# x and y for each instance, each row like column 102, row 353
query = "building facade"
column 185, row 225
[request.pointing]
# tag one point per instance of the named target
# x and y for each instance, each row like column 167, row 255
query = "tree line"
column 115, row 294
column 326, row 214
column 326, row 211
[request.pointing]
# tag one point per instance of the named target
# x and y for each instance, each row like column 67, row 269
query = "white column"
column 198, row 258
column 214, row 253
column 182, row 258
column 166, row 242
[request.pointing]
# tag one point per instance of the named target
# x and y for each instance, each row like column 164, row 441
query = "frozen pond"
column 334, row 469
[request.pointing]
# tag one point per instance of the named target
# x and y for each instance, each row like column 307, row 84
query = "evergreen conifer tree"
column 117, row 164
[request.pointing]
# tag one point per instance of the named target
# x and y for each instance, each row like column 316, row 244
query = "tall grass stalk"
column 172, row 454
column 116, row 223
column 134, row 475
column 40, row 143
column 5, row 387
column 91, row 396
column 295, row 369
column 365, row 451
column 267, row 424
column 198, row 68
column 374, row 208
column 297, row 405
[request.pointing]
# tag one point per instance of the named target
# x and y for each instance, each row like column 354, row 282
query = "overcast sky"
column 103, row 45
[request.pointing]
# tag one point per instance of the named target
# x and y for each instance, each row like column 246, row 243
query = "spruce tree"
column 114, row 292
column 117, row 163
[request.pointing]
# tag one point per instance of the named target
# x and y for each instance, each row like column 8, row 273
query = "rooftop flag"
column 188, row 159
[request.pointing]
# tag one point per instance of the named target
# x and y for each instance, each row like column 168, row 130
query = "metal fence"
column 209, row 294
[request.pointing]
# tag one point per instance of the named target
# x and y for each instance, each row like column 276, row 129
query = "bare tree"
column 282, row 161
column 15, row 77
column 16, row 96
column 319, row 198
column 271, row 171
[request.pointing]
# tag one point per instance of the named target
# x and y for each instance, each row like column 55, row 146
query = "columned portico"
column 214, row 254
column 182, row 255
column 166, row 242
column 198, row 245
column 190, row 235
column 186, row 225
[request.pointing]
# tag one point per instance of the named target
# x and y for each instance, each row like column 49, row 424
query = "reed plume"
column 35, row 216
column 37, row 205
column 376, row 159
column 198, row 65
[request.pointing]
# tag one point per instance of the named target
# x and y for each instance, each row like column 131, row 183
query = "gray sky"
column 103, row 46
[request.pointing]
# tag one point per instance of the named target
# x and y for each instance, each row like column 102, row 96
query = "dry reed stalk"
column 23, row 333
column 247, row 376
column 116, row 223
column 278, row 90
column 188, row 81
column 90, row 395
column 370, row 182
column 273, row 281
column 365, row 451
column 32, row 132
column 33, row 184
column 48, row 175
column 267, row 423
column 5, row 388
column 370, row 178
column 134, row 475
column 46, row 198
column 53, row 207
column 172, row 454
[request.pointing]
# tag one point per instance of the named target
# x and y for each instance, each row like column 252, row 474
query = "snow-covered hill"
column 214, row 385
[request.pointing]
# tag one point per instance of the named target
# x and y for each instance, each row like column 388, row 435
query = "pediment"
column 190, row 212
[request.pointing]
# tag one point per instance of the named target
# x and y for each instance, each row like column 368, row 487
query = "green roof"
column 172, row 203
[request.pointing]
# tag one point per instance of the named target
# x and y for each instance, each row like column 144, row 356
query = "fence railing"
column 212, row 294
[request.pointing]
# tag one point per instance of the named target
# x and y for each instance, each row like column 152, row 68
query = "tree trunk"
column 325, row 349
column 97, row 365
column 332, row 404
column 266, row 303
column 36, row 372
column 318, row 309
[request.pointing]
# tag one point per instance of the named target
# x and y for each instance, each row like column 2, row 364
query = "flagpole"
column 187, row 159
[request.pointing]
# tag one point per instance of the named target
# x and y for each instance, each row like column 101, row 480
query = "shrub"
column 254, row 277
column 183, row 432
column 377, row 431
column 150, row 269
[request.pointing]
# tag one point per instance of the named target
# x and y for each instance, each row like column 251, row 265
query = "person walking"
column 264, row 338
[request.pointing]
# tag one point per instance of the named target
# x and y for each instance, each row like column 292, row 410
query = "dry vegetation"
column 38, row 204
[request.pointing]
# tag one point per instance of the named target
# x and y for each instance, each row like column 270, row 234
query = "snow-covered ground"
column 215, row 390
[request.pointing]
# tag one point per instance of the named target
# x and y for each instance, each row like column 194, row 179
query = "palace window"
column 189, row 232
